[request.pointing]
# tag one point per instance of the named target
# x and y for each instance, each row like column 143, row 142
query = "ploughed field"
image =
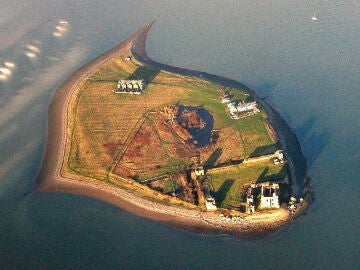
column 124, row 136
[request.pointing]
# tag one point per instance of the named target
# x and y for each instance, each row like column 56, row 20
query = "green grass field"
column 226, row 183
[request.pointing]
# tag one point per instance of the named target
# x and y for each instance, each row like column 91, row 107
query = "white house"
column 241, row 107
column 130, row 86
column 245, row 107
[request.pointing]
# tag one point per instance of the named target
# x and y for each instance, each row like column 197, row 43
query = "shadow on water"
column 314, row 142
column 266, row 89
column 303, row 131
column 223, row 190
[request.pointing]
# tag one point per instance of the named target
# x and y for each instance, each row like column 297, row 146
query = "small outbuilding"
column 210, row 203
column 279, row 157
column 199, row 171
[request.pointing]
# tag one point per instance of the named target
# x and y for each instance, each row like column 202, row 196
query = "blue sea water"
column 307, row 70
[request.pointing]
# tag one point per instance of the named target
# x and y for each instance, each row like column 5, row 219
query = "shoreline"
column 51, row 178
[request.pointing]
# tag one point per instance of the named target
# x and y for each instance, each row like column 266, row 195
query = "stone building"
column 245, row 107
column 269, row 196
column 199, row 170
column 279, row 157
column 242, row 107
column 130, row 86
column 210, row 204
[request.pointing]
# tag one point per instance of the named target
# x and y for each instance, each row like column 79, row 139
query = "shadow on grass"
column 223, row 190
column 264, row 150
column 210, row 162
column 264, row 176
column 144, row 73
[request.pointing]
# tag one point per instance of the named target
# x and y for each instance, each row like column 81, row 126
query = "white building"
column 279, row 157
column 210, row 204
column 130, row 86
column 232, row 107
column 199, row 171
column 241, row 107
column 269, row 196
column 245, row 107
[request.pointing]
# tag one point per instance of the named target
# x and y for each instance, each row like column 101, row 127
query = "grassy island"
column 171, row 146
column 116, row 136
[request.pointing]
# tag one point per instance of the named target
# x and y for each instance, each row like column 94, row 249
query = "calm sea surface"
column 308, row 70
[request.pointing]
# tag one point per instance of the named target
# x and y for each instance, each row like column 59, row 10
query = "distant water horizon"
column 307, row 70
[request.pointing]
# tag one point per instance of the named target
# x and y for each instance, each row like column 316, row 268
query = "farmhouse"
column 130, row 86
column 242, row 107
column 245, row 107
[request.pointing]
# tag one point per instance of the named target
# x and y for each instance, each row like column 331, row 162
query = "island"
column 183, row 147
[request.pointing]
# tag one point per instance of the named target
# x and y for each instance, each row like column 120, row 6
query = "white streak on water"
column 31, row 55
column 3, row 77
column 33, row 48
column 57, row 34
column 32, row 51
column 61, row 28
column 63, row 22
column 10, row 65
column 5, row 70
column 18, row 103
column 19, row 27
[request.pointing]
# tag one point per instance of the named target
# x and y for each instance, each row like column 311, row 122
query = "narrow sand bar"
column 52, row 179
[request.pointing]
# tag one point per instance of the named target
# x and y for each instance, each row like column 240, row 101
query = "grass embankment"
column 103, row 125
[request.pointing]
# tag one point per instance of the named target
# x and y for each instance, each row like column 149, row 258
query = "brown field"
column 145, row 151
column 155, row 148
